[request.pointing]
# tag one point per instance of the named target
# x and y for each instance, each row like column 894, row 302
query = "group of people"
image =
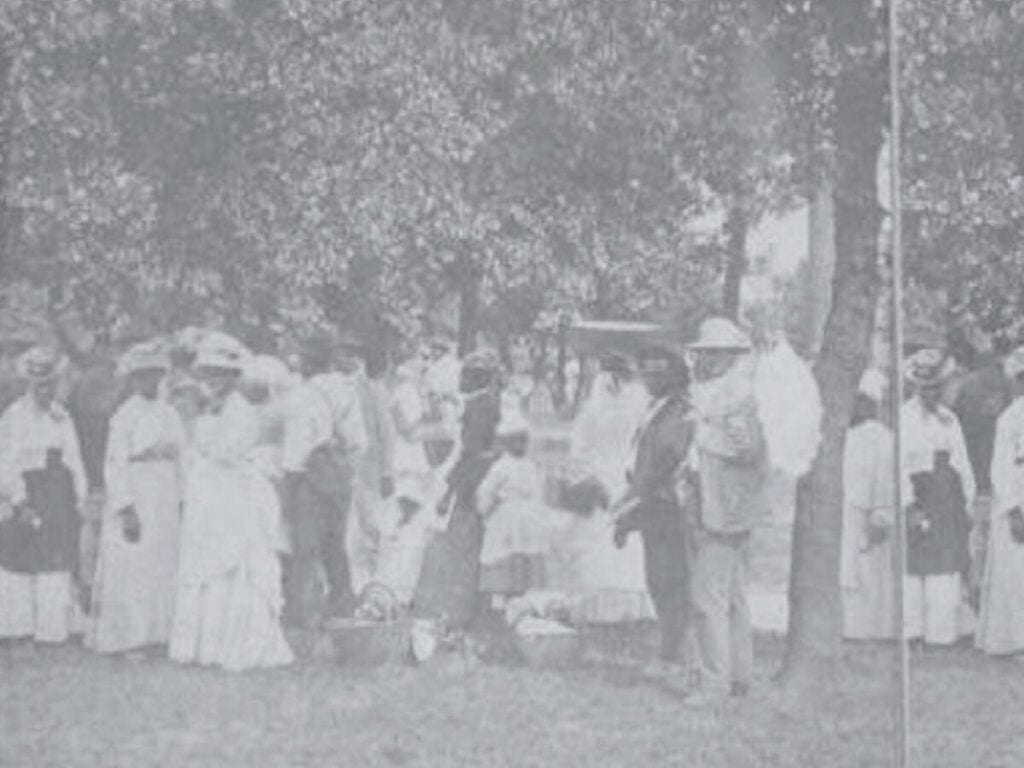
column 241, row 494
column 245, row 495
column 962, row 492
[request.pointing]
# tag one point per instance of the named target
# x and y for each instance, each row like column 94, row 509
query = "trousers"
column 667, row 570
column 722, row 616
column 316, row 524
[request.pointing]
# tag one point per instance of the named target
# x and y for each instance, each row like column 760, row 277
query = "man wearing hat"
column 324, row 433
column 138, row 560
column 932, row 445
column 731, row 461
column 42, row 484
column 652, row 504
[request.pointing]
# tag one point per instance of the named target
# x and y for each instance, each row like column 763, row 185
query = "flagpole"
column 896, row 325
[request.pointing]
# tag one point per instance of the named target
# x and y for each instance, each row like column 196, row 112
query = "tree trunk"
column 469, row 306
column 736, row 226
column 821, row 264
column 815, row 622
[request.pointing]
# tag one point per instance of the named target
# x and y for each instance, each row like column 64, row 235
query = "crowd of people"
column 221, row 505
column 962, row 492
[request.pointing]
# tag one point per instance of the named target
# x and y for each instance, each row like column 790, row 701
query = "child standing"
column 510, row 502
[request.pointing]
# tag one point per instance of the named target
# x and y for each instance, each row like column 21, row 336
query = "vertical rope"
column 896, row 326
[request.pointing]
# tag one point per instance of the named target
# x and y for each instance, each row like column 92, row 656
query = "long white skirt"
column 869, row 608
column 133, row 592
column 39, row 606
column 1001, row 627
column 934, row 608
column 228, row 601
column 227, row 623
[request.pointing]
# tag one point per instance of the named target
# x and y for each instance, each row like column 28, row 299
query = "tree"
column 837, row 85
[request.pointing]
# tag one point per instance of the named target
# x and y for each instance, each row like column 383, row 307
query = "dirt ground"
column 66, row 708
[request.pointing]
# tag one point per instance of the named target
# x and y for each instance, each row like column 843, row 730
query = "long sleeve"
column 11, row 486
column 488, row 495
column 883, row 486
column 1005, row 473
column 116, row 464
column 961, row 462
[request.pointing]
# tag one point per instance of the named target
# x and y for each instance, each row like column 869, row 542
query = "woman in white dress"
column 133, row 598
column 1001, row 626
column 37, row 436
column 603, row 448
column 867, row 572
column 228, row 602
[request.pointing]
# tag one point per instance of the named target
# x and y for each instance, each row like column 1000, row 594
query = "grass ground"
column 65, row 708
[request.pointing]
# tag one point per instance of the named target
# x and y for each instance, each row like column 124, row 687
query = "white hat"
column 873, row 384
column 721, row 333
column 218, row 350
column 147, row 356
column 268, row 371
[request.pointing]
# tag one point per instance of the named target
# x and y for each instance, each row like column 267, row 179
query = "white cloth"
column 40, row 606
column 228, row 599
column 26, row 434
column 789, row 409
column 923, row 434
column 602, row 443
column 934, row 608
column 325, row 408
column 133, row 594
column 409, row 459
column 867, row 570
column 441, row 382
column 509, row 499
column 1001, row 625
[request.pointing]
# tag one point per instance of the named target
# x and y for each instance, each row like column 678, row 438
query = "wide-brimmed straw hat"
column 929, row 367
column 40, row 363
column 722, row 334
column 148, row 356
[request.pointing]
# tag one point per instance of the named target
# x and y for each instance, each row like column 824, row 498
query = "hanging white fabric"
column 789, row 407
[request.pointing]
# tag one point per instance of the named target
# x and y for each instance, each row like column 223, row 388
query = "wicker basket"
column 364, row 643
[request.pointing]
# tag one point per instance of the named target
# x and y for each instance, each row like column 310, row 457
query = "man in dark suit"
column 654, row 505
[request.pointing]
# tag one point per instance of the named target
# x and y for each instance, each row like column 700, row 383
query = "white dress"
column 133, row 594
column 1001, row 626
column 509, row 499
column 867, row 574
column 42, row 605
column 228, row 601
